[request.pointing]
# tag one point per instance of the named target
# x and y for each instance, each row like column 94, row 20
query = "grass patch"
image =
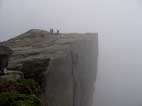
column 14, row 99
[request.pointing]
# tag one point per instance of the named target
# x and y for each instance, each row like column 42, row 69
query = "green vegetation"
column 24, row 92
column 19, row 93
column 14, row 99
column 33, row 69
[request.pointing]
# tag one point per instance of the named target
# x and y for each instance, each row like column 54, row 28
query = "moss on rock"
column 19, row 93
column 14, row 99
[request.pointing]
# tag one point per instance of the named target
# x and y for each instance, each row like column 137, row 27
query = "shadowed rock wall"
column 70, row 79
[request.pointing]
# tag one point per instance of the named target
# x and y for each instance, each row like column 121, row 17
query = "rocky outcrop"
column 5, row 53
column 65, row 65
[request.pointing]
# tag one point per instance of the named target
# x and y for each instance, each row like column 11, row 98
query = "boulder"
column 5, row 53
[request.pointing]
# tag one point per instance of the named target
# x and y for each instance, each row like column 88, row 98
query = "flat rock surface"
column 40, row 44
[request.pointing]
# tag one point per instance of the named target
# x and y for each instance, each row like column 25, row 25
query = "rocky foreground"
column 63, row 65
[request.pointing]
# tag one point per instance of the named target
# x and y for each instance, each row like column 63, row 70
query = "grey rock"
column 4, row 50
column 5, row 53
column 65, row 65
column 12, row 76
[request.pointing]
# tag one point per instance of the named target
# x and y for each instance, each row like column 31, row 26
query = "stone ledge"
column 12, row 75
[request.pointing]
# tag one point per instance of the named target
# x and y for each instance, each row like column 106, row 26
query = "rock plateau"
column 65, row 65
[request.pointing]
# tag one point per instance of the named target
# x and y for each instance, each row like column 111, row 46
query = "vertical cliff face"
column 71, row 78
column 65, row 65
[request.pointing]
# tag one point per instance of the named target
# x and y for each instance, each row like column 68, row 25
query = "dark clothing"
column 58, row 32
column 51, row 31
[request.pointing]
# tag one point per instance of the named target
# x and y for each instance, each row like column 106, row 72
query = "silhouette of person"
column 58, row 32
column 51, row 31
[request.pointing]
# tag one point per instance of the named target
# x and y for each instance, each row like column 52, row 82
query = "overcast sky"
column 119, row 24
column 17, row 16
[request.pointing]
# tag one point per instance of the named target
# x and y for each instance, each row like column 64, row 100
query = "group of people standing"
column 52, row 31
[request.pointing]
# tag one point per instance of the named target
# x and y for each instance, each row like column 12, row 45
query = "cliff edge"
column 65, row 65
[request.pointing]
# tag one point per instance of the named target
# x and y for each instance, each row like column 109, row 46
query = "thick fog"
column 17, row 16
column 119, row 24
column 119, row 80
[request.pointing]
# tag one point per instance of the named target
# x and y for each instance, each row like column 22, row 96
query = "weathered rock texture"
column 65, row 65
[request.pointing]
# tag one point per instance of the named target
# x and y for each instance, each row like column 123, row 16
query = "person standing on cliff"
column 51, row 31
column 58, row 32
